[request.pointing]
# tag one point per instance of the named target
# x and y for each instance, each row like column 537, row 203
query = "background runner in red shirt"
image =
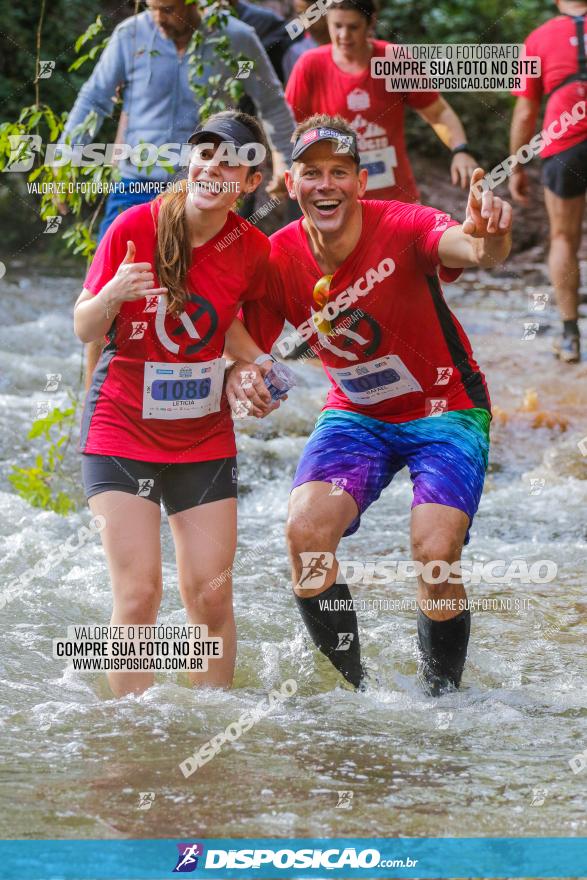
column 336, row 79
column 164, row 287
column 563, row 81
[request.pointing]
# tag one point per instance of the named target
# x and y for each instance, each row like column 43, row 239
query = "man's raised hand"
column 487, row 215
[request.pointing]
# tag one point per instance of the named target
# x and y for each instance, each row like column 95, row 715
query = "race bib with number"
column 182, row 391
column 376, row 380
column 380, row 165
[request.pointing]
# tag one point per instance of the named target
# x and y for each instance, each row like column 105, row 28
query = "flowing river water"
column 492, row 760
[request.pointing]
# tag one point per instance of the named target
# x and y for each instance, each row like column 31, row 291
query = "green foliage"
column 64, row 20
column 90, row 33
column 39, row 484
column 60, row 184
column 56, row 183
column 218, row 92
column 461, row 21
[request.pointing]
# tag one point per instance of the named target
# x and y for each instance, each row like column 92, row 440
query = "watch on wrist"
column 464, row 148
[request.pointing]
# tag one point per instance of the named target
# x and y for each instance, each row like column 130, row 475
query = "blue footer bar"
column 306, row 858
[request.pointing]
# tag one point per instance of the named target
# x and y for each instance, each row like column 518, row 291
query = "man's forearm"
column 450, row 129
column 459, row 250
column 446, row 124
column 492, row 252
column 523, row 124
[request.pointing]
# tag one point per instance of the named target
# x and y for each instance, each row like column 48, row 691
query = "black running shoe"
column 568, row 349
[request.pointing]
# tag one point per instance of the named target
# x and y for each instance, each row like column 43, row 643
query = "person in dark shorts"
column 156, row 425
column 560, row 45
column 361, row 279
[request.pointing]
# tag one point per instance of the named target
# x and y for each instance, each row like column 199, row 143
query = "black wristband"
column 464, row 148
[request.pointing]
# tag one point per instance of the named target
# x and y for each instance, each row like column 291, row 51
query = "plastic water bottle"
column 279, row 380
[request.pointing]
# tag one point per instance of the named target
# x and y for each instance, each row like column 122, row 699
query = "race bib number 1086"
column 182, row 391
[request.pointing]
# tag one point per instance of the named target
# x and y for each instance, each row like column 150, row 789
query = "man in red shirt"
column 360, row 279
column 560, row 45
column 336, row 79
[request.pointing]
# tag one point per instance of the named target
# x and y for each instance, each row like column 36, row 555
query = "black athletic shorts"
column 566, row 173
column 179, row 486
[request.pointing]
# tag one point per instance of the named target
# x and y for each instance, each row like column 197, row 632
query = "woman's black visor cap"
column 230, row 130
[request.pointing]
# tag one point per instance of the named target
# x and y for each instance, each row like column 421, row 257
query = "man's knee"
column 565, row 233
column 564, row 237
column 444, row 547
column 305, row 533
column 312, row 546
column 437, row 553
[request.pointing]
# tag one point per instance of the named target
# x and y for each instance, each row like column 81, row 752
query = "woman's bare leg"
column 132, row 542
column 205, row 544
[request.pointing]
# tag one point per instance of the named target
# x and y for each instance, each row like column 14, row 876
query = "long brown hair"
column 173, row 255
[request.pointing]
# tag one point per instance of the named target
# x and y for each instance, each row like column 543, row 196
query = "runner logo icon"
column 344, row 143
column 187, row 860
column 345, row 800
column 338, row 485
column 138, row 329
column 315, row 567
column 145, row 487
column 442, row 221
column 443, row 375
column 146, row 800
column 436, row 406
column 244, row 69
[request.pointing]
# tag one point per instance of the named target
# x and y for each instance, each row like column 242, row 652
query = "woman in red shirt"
column 164, row 287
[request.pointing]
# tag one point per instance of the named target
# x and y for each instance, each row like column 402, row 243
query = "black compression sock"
column 444, row 650
column 571, row 328
column 333, row 630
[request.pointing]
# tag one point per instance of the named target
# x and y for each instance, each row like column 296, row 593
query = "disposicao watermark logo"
column 187, row 860
column 455, row 67
column 347, row 297
column 313, row 13
column 24, row 149
column 527, row 152
column 318, row 563
column 284, row 857
column 237, row 728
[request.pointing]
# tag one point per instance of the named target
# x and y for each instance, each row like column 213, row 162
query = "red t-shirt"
column 318, row 85
column 405, row 349
column 157, row 391
column 555, row 43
